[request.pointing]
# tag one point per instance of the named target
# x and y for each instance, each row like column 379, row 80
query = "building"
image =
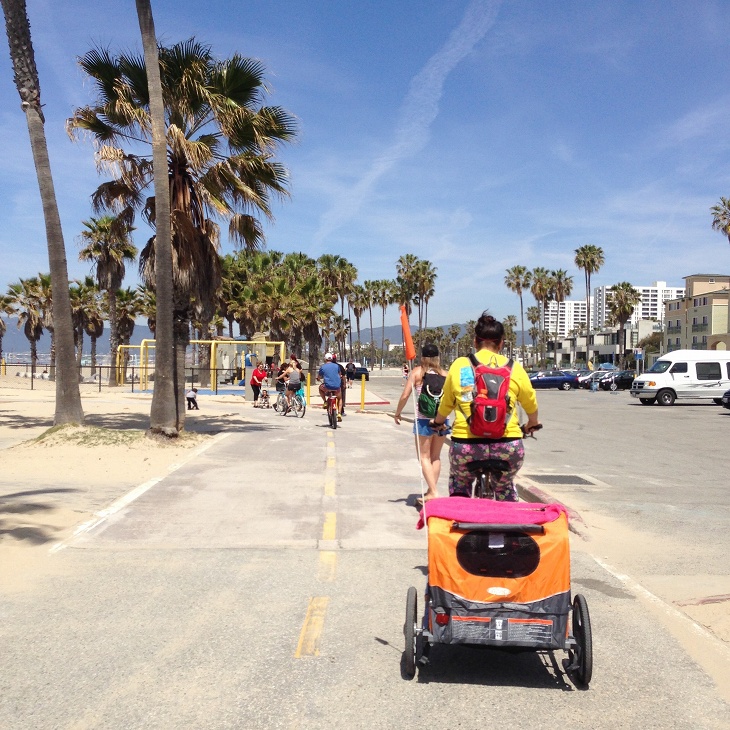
column 699, row 319
column 652, row 306
column 565, row 317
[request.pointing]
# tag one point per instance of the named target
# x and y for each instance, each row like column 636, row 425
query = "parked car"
column 725, row 400
column 595, row 377
column 621, row 380
column 553, row 379
column 361, row 373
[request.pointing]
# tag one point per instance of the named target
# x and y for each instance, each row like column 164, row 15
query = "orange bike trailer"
column 499, row 575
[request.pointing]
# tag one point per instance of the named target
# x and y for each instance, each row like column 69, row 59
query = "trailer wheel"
column 646, row 401
column 666, row 397
column 583, row 639
column 409, row 631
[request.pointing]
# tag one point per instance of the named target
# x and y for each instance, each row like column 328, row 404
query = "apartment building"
column 699, row 320
column 652, row 305
column 565, row 317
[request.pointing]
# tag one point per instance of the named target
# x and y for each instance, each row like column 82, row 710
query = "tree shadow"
column 25, row 533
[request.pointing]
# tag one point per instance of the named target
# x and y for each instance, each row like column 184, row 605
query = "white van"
column 684, row 374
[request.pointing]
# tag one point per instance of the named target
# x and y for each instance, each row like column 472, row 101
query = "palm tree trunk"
column 68, row 396
column 164, row 413
column 382, row 341
column 522, row 325
column 372, row 340
column 113, row 336
column 93, row 355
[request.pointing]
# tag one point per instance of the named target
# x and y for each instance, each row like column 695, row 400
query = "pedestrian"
column 405, row 371
column 257, row 378
column 458, row 396
column 427, row 378
column 350, row 372
column 192, row 398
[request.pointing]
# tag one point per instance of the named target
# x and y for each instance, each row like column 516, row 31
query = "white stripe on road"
column 136, row 493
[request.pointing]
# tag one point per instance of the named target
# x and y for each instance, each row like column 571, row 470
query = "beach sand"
column 53, row 481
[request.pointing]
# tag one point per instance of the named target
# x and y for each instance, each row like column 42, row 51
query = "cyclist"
column 293, row 377
column 330, row 375
column 465, row 447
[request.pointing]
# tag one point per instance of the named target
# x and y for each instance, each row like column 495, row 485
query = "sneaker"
column 339, row 417
column 343, row 413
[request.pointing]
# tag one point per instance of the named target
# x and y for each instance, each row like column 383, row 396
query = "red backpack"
column 490, row 407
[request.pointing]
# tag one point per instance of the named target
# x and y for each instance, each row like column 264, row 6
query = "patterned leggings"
column 461, row 454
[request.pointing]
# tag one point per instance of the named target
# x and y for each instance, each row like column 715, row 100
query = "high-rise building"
column 565, row 317
column 651, row 306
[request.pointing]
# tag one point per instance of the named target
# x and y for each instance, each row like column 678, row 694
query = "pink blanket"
column 487, row 511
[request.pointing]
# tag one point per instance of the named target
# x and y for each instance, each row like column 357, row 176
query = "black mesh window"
column 517, row 556
column 708, row 371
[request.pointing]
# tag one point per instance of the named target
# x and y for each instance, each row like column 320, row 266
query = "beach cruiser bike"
column 297, row 405
column 484, row 470
column 332, row 414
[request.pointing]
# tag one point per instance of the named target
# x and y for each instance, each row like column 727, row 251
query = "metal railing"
column 700, row 327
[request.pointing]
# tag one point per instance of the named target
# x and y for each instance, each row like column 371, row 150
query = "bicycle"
column 484, row 469
column 332, row 414
column 280, row 403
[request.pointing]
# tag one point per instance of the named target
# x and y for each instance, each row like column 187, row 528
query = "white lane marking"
column 129, row 497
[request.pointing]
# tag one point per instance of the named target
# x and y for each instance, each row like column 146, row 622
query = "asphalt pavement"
column 263, row 586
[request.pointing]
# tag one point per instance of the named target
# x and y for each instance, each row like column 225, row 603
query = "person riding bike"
column 457, row 396
column 331, row 376
column 293, row 377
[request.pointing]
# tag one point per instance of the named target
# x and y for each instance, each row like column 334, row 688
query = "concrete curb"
column 530, row 492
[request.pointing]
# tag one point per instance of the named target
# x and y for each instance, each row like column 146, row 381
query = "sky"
column 476, row 134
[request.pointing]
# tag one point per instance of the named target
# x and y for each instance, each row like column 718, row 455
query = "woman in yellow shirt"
column 465, row 446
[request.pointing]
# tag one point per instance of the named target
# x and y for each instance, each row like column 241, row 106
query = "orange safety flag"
column 410, row 349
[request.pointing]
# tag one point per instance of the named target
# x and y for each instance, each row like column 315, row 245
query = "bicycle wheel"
column 300, row 406
column 332, row 414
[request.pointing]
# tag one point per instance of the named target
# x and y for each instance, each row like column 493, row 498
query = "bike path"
column 188, row 608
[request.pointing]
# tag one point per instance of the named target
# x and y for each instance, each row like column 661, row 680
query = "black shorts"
column 293, row 388
column 351, row 376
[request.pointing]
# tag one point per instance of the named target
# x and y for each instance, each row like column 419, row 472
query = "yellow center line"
column 311, row 633
column 327, row 566
column 329, row 530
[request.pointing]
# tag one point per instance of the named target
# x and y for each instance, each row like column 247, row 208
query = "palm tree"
column 166, row 398
column 107, row 244
column 621, row 305
column 83, row 304
column 721, row 217
column 220, row 166
column 383, row 297
column 68, row 396
column 6, row 307
column 358, row 302
column 369, row 289
column 541, row 288
column 454, row 333
column 510, row 336
column 424, row 279
column 130, row 307
column 45, row 302
column 518, row 279
column 25, row 300
column 562, row 287
column 589, row 259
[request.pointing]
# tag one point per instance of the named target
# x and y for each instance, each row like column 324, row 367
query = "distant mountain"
column 14, row 341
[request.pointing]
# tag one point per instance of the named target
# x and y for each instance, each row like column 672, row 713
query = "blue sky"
column 474, row 133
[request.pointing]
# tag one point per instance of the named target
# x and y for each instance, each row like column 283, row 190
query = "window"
column 704, row 320
column 709, row 371
column 515, row 556
column 679, row 367
column 704, row 301
column 694, row 320
column 677, row 342
column 694, row 340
